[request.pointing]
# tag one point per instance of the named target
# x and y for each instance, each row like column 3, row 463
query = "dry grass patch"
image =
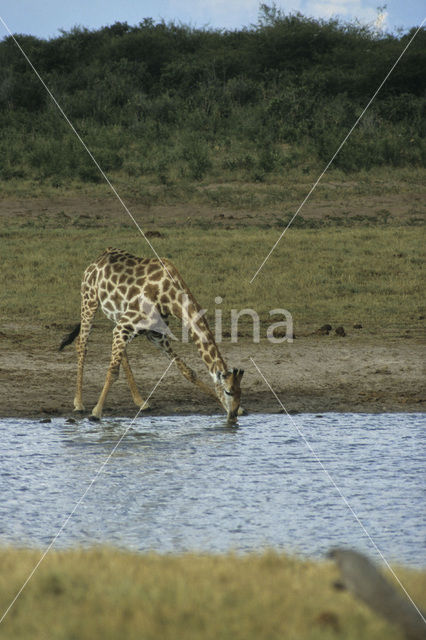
column 104, row 593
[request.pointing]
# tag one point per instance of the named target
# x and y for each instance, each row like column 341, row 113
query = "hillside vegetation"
column 168, row 103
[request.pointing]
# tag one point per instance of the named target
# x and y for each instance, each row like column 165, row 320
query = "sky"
column 44, row 18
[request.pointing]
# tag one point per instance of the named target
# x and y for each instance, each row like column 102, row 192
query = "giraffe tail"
column 70, row 337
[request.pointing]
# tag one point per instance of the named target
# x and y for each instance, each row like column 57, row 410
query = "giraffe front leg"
column 162, row 342
column 137, row 398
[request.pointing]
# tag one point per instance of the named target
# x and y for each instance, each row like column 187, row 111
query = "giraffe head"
column 228, row 390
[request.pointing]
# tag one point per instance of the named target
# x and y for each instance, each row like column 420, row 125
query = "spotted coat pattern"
column 138, row 295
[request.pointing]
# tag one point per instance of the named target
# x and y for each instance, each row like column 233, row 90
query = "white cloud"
column 381, row 21
column 363, row 10
column 226, row 14
column 346, row 9
column 230, row 14
column 289, row 6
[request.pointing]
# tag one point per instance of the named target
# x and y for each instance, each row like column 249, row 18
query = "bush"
column 196, row 154
column 157, row 97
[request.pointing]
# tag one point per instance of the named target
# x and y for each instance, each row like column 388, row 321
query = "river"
column 298, row 484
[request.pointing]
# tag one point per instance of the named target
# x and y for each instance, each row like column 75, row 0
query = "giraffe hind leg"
column 88, row 310
column 128, row 327
column 118, row 347
column 121, row 336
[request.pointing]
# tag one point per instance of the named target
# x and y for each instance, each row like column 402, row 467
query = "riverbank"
column 348, row 266
column 359, row 372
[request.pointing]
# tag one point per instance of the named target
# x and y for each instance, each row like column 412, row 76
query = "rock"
column 340, row 331
column 357, row 325
column 324, row 330
column 154, row 234
column 364, row 581
column 328, row 619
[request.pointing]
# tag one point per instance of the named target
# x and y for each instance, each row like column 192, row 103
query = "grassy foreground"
column 330, row 274
column 104, row 593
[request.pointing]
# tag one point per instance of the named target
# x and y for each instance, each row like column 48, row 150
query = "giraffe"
column 138, row 295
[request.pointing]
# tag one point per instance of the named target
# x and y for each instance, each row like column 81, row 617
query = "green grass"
column 104, row 593
column 343, row 275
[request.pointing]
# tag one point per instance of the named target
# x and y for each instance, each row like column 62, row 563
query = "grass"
column 108, row 594
column 336, row 275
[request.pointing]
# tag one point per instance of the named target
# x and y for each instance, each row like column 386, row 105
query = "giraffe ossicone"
column 138, row 295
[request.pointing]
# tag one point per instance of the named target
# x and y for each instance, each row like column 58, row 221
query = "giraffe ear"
column 237, row 374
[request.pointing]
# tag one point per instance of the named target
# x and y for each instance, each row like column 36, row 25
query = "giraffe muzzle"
column 232, row 416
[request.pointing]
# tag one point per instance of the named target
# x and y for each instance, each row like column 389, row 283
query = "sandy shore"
column 359, row 372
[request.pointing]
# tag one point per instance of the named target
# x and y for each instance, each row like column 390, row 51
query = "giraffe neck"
column 207, row 348
column 202, row 336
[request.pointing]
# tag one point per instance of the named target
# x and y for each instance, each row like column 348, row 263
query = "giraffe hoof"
column 93, row 418
column 145, row 407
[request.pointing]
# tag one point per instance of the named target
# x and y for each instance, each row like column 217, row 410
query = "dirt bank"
column 358, row 372
column 401, row 204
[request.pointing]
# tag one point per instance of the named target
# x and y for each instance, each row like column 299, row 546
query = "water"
column 191, row 483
